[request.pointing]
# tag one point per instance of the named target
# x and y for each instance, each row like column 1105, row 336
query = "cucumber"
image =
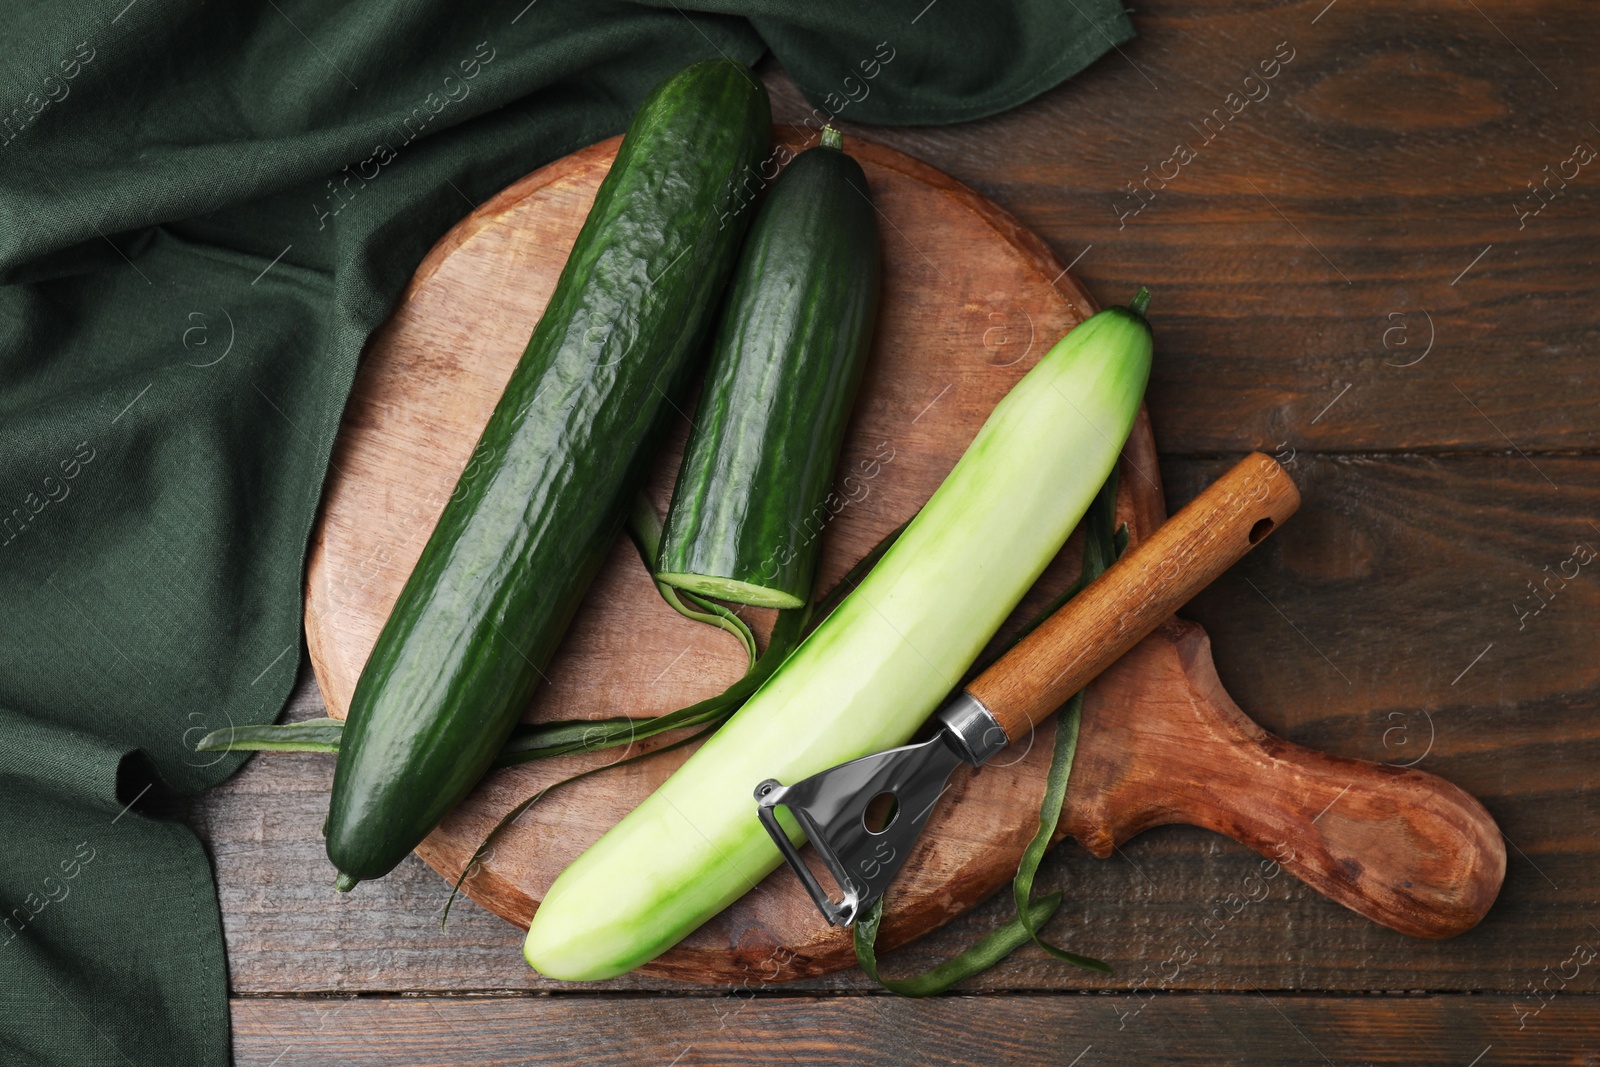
column 752, row 493
column 872, row 672
column 559, row 462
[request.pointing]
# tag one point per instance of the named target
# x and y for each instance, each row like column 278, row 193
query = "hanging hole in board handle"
column 1260, row 530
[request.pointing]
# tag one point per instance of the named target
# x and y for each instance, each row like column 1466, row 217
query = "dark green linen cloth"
column 204, row 211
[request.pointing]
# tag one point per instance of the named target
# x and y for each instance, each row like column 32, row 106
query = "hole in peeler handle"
column 1260, row 530
column 880, row 813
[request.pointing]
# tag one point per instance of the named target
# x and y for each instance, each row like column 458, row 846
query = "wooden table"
column 1349, row 268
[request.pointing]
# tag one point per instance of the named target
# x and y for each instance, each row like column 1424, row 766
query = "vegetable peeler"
column 864, row 816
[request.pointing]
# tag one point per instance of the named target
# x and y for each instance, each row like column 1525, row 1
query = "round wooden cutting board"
column 971, row 301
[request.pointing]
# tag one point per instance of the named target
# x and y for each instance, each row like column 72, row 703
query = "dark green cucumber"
column 753, row 493
column 555, row 471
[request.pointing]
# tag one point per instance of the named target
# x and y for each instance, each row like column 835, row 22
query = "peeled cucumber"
column 873, row 671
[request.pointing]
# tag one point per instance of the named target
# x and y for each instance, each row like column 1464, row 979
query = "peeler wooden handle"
column 1157, row 576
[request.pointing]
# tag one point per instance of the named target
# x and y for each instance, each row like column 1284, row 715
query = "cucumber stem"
column 1140, row 301
column 344, row 883
column 832, row 138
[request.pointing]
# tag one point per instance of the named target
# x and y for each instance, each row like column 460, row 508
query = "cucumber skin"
column 786, row 364
column 535, row 515
column 871, row 673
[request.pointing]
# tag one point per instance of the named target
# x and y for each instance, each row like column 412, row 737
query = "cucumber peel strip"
column 533, row 741
column 309, row 735
column 710, row 713
column 1101, row 546
column 1099, row 552
column 791, row 626
column 516, row 813
column 980, row 957
column 644, row 527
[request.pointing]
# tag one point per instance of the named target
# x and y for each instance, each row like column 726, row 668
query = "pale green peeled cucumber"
column 873, row 671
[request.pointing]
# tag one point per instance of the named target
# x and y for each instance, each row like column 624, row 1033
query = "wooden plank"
column 1396, row 574
column 1130, row 1030
column 1293, row 258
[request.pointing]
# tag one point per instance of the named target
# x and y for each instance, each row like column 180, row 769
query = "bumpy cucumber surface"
column 752, row 495
column 538, row 509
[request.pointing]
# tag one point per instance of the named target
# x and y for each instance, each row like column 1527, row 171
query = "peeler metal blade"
column 835, row 808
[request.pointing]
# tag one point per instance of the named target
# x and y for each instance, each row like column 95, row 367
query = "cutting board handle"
column 1402, row 847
